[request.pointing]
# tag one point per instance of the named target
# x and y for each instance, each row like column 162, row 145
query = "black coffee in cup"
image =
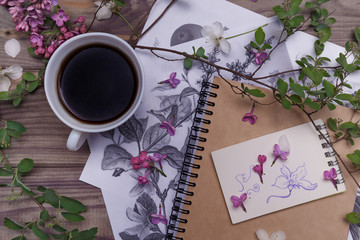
column 97, row 83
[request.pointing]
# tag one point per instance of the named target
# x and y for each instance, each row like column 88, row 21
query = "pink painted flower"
column 250, row 117
column 331, row 175
column 173, row 81
column 140, row 161
column 239, row 201
column 60, row 17
column 259, row 170
column 281, row 150
column 158, row 218
column 260, row 56
column 167, row 125
column 143, row 179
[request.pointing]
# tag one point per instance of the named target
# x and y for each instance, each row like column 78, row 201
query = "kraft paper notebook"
column 200, row 210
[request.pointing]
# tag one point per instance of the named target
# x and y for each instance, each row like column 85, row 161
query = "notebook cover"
column 209, row 218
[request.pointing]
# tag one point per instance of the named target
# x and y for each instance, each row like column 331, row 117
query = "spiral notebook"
column 200, row 209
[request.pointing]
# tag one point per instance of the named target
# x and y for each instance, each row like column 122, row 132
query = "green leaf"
column 254, row 45
column 354, row 157
column 32, row 86
column 353, row 218
column 58, row 228
column 72, row 217
column 282, row 86
column 324, row 34
column 329, row 88
column 44, row 215
column 25, row 165
column 51, row 197
column 15, row 126
column 357, row 34
column 310, row 5
column 330, row 106
column 266, row 46
column 286, row 103
column 17, row 100
column 332, row 124
column 319, row 47
column 313, row 105
column 40, row 233
column 84, row 235
column 256, row 92
column 295, row 99
column 348, row 125
column 28, row 76
column 259, row 36
column 12, row 224
column 345, row 97
column 120, row 3
column 59, row 236
column 72, row 205
column 297, row 88
column 187, row 63
column 280, row 12
column 19, row 238
column 200, row 52
column 41, row 188
column 5, row 173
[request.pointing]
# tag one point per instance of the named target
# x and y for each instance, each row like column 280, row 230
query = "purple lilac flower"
column 250, row 117
column 60, row 17
column 158, row 218
column 37, row 39
column 173, row 81
column 168, row 126
column 331, row 175
column 239, row 201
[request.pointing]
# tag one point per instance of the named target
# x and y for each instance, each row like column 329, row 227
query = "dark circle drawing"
column 185, row 33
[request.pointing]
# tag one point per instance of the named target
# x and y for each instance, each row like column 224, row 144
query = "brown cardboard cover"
column 209, row 218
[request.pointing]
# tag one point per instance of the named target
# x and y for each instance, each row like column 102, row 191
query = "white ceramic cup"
column 80, row 128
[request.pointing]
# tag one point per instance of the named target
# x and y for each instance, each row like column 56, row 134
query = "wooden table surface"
column 44, row 141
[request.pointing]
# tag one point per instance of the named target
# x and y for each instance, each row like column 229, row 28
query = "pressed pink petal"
column 243, row 197
column 263, row 55
column 236, row 201
column 172, row 75
column 257, row 168
column 258, row 60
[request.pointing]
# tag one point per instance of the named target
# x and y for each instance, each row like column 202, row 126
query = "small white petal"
column 14, row 72
column 225, row 46
column 103, row 13
column 278, row 235
column 97, row 3
column 217, row 29
column 207, row 31
column 12, row 47
column 284, row 144
column 4, row 83
column 262, row 234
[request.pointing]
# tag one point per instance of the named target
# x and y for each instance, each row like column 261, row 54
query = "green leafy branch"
column 48, row 225
column 29, row 83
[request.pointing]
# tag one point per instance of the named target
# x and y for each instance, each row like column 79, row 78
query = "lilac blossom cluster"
column 37, row 18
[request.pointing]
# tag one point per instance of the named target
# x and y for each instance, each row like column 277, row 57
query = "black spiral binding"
column 330, row 154
column 190, row 161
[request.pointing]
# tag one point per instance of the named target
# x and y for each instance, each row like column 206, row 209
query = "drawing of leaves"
column 174, row 157
column 154, row 236
column 162, row 87
column 144, row 207
column 141, row 188
column 188, row 92
column 115, row 157
column 133, row 129
column 152, row 138
column 127, row 236
column 172, row 114
column 184, row 106
column 108, row 134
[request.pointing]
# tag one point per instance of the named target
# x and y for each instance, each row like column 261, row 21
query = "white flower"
column 12, row 47
column 105, row 11
column 262, row 235
column 11, row 73
column 213, row 36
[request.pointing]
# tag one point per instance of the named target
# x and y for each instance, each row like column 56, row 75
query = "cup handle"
column 75, row 140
